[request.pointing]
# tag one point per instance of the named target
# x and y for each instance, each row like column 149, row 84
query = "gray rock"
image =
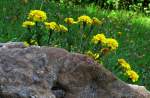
column 44, row 72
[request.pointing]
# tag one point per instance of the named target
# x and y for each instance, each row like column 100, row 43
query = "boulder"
column 46, row 72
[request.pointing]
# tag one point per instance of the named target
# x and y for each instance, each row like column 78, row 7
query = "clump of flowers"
column 28, row 24
column 35, row 18
column 37, row 15
column 69, row 21
column 85, row 19
column 103, row 45
column 128, row 71
column 102, row 40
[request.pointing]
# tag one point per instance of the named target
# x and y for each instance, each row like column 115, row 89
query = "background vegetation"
column 135, row 5
column 135, row 27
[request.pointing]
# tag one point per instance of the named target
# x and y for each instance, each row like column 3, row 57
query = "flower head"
column 69, row 21
column 112, row 43
column 85, row 19
column 63, row 28
column 121, row 61
column 124, row 64
column 96, row 21
column 132, row 75
column 37, row 15
column 52, row 26
column 27, row 24
column 26, row 44
column 33, row 42
column 99, row 38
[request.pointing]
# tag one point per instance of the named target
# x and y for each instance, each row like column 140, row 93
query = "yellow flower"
column 69, row 21
column 132, row 75
column 112, row 43
column 28, row 24
column 93, row 55
column 37, row 15
column 52, row 26
column 85, row 19
column 33, row 42
column 96, row 56
column 63, row 28
column 26, row 44
column 96, row 21
column 99, row 38
column 121, row 61
column 124, row 64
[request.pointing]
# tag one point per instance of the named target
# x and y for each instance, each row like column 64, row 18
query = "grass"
column 133, row 43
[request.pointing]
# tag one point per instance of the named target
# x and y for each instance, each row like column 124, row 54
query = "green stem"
column 87, row 40
column 91, row 29
column 38, row 34
column 82, row 46
column 42, row 4
column 69, row 38
column 29, row 33
column 49, row 37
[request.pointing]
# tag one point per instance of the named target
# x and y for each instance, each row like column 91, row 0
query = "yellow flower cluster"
column 69, row 21
column 99, row 38
column 63, row 28
column 112, row 43
column 127, row 68
column 95, row 56
column 27, row 24
column 96, row 21
column 109, row 42
column 85, row 19
column 124, row 64
column 37, row 15
column 52, row 26
column 32, row 42
column 55, row 27
column 132, row 75
column 26, row 44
